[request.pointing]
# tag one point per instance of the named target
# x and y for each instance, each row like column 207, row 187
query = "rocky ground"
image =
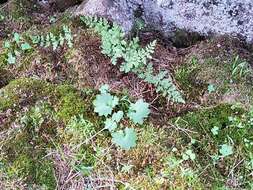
column 50, row 137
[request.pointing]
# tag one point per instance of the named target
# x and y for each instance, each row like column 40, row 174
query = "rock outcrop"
column 207, row 17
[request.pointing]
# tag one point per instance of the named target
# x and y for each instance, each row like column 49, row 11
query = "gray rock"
column 207, row 17
column 118, row 12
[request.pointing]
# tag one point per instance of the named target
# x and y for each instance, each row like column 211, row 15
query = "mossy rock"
column 25, row 92
column 50, row 107
column 25, row 149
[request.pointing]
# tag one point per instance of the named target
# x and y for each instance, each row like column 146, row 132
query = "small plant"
column 14, row 48
column 54, row 41
column 135, row 58
column 164, row 84
column 19, row 45
column 11, row 58
column 105, row 104
column 79, row 129
column 211, row 88
column 240, row 69
column 126, row 138
column 244, row 127
column 215, row 130
column 34, row 117
column 226, row 150
column 126, row 168
column 138, row 111
column 189, row 155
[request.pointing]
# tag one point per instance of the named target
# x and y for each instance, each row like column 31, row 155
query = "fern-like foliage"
column 54, row 41
column 135, row 57
column 162, row 81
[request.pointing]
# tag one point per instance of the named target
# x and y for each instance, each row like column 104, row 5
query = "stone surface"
column 207, row 17
column 118, row 12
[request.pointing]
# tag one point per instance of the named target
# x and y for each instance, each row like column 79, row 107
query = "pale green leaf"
column 138, row 111
column 25, row 46
column 11, row 58
column 215, row 130
column 7, row 44
column 117, row 116
column 191, row 154
column 125, row 139
column 226, row 150
column 104, row 104
column 211, row 88
column 16, row 37
column 104, row 88
column 110, row 124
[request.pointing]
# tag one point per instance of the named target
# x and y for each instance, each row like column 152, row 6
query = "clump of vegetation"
column 54, row 41
column 19, row 45
column 15, row 47
column 135, row 57
column 240, row 69
column 217, row 81
column 66, row 100
column 222, row 133
column 23, row 150
column 105, row 103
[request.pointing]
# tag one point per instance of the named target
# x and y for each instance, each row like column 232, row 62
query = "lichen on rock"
column 204, row 17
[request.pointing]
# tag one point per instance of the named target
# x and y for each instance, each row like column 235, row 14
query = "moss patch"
column 23, row 92
column 196, row 76
column 207, row 146
column 25, row 149
column 69, row 102
column 36, row 130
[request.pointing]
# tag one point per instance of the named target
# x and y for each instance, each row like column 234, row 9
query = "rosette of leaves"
column 105, row 105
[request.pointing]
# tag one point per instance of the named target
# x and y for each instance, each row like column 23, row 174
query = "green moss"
column 66, row 100
column 3, row 62
column 200, row 123
column 195, row 76
column 204, row 120
column 35, row 171
column 25, row 149
column 69, row 103
column 22, row 92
